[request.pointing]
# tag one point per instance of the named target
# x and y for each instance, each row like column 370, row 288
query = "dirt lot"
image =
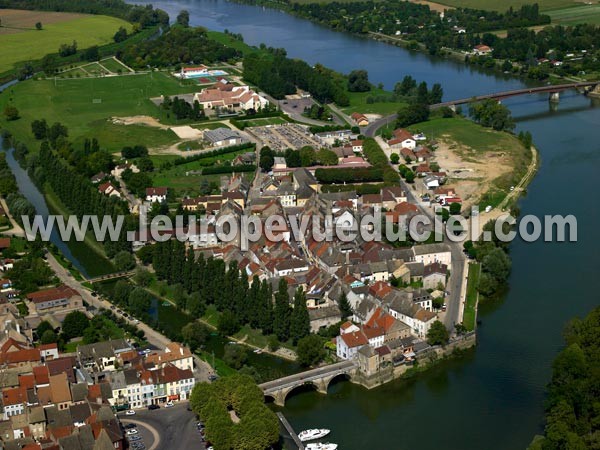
column 139, row 120
column 470, row 175
column 17, row 20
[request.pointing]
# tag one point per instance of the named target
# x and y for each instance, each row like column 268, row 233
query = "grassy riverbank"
column 470, row 311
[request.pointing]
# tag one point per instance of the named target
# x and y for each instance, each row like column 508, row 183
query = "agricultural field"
column 21, row 41
column 494, row 5
column 86, row 106
column 581, row 14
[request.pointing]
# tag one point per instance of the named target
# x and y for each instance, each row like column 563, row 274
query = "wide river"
column 493, row 398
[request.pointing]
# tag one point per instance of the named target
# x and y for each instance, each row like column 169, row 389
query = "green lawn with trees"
column 86, row 105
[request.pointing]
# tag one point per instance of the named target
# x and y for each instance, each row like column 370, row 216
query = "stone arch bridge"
column 320, row 378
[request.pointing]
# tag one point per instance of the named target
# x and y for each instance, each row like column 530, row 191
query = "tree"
column 394, row 158
column 299, row 319
column 38, row 25
column 405, row 86
column 497, row 264
column 39, row 128
column 142, row 276
column 414, row 113
column 455, row 208
column 74, row 324
column 235, row 356
column 437, row 334
column 267, row 159
column 124, row 261
column 11, row 112
column 183, row 18
column 344, row 306
column 490, row 113
column 228, row 323
column 310, row 350
column 436, row 94
column 358, row 81
column 49, row 337
column 195, row 335
column 120, row 35
column 281, row 319
column 43, row 327
column 139, row 302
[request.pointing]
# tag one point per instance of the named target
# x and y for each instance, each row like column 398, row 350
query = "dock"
column 290, row 434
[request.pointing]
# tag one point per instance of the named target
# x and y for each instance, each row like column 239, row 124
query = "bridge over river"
column 320, row 378
column 554, row 90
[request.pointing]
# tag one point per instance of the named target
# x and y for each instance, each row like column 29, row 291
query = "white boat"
column 312, row 434
column 320, row 446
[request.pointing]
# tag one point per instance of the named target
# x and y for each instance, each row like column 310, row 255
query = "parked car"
column 129, row 426
column 130, row 412
column 135, row 438
column 151, row 407
column 131, row 431
column 213, row 377
column 169, row 404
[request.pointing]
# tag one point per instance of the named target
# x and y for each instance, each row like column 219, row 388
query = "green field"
column 85, row 105
column 495, row 5
column 35, row 44
column 581, row 14
column 470, row 311
column 359, row 103
column 230, row 42
column 263, row 122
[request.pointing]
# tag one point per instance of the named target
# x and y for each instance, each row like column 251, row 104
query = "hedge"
column 351, row 175
column 220, row 151
column 228, row 169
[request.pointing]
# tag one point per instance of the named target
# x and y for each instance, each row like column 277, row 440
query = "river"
column 493, row 397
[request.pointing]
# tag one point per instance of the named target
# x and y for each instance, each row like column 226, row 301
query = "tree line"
column 212, row 282
column 278, row 75
column 572, row 412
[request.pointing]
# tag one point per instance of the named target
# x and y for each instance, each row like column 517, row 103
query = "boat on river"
column 320, row 446
column 312, row 434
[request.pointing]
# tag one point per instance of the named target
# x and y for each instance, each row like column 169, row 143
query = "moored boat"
column 312, row 434
column 321, row 446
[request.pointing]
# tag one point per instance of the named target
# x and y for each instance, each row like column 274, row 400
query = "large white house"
column 228, row 95
column 433, row 253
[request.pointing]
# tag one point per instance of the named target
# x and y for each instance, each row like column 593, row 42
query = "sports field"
column 21, row 41
column 85, row 106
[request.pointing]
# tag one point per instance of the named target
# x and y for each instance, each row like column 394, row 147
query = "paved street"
column 174, row 427
column 154, row 338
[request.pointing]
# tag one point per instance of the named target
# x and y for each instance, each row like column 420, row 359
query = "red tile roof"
column 46, row 295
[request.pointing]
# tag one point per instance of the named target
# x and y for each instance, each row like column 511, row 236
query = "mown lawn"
column 365, row 103
column 31, row 44
column 85, row 105
column 231, row 42
column 469, row 313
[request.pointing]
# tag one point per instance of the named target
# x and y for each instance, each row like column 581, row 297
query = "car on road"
column 151, row 407
column 130, row 412
column 126, row 315
column 119, row 311
column 169, row 405
column 213, row 377
column 131, row 432
column 135, row 438
column 113, row 307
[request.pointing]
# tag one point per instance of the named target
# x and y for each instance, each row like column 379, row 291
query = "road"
column 154, row 338
column 175, row 427
column 16, row 229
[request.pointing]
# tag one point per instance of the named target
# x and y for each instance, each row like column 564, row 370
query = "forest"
column 572, row 409
column 278, row 75
column 180, row 45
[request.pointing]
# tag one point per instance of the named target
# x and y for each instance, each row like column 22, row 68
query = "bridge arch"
column 337, row 377
column 308, row 385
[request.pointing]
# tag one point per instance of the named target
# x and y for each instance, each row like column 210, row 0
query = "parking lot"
column 281, row 137
column 165, row 428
